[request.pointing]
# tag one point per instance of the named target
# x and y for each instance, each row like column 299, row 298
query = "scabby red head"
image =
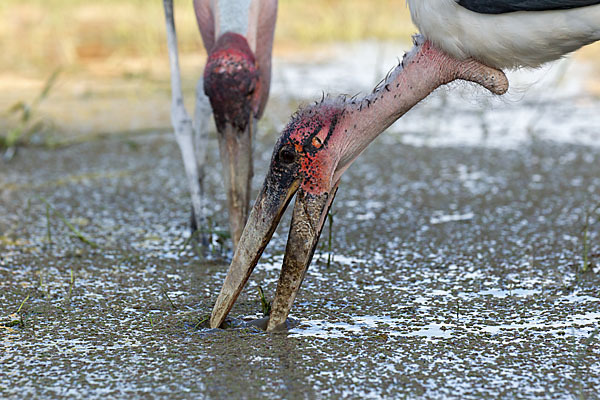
column 231, row 81
column 309, row 149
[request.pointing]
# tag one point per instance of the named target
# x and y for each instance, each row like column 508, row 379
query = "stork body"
column 238, row 38
column 508, row 33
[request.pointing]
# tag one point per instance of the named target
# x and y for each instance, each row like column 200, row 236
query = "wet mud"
column 455, row 271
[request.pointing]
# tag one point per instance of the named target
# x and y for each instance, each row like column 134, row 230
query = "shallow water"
column 455, row 276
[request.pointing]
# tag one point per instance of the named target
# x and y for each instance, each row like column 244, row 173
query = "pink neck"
column 422, row 70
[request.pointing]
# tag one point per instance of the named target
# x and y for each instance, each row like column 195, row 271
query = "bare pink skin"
column 419, row 75
column 317, row 146
column 231, row 81
column 358, row 122
column 261, row 32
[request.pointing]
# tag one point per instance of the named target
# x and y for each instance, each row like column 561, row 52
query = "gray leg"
column 202, row 116
column 180, row 119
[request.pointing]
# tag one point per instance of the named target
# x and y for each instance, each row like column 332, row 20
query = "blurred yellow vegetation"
column 121, row 37
column 39, row 35
column 113, row 54
column 113, row 57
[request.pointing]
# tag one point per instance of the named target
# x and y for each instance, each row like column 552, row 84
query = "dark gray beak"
column 310, row 212
column 235, row 147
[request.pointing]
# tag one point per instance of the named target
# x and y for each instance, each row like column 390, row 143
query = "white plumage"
column 232, row 16
column 510, row 40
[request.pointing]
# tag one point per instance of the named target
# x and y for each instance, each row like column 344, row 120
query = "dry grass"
column 43, row 34
column 38, row 35
column 342, row 20
column 112, row 53
column 125, row 38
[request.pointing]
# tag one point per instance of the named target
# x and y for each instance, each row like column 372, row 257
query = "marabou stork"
column 317, row 146
column 238, row 37
column 463, row 39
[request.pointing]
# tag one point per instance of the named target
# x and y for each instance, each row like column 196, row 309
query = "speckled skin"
column 309, row 134
column 328, row 136
column 231, row 81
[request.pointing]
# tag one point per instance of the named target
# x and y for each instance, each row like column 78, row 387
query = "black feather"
column 507, row 6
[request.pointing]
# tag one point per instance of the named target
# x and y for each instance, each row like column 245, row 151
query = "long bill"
column 310, row 212
column 308, row 218
column 235, row 146
column 262, row 222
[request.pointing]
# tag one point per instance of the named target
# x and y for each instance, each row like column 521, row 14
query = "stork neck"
column 233, row 16
column 422, row 70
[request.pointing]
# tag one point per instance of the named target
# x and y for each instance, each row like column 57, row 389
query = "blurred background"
column 104, row 63
column 73, row 69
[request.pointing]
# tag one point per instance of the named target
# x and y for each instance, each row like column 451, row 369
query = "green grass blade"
column 73, row 230
column 22, row 303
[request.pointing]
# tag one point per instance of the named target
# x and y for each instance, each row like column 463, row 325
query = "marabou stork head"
column 232, row 83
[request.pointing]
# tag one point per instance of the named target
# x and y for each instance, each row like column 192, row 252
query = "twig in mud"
column 73, row 230
column 329, row 246
column 23, row 303
column 72, row 283
column 164, row 292
column 330, row 239
column 21, row 319
column 48, row 230
column 150, row 318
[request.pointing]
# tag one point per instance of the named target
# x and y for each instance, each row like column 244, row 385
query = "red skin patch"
column 232, row 81
column 310, row 133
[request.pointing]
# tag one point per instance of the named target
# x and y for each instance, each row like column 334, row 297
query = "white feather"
column 232, row 16
column 517, row 39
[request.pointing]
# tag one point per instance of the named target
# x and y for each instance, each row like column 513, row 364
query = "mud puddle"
column 458, row 275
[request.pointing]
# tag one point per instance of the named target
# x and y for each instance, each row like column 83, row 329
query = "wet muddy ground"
column 459, row 239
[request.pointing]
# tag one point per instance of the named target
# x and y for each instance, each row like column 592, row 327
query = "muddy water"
column 456, row 272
